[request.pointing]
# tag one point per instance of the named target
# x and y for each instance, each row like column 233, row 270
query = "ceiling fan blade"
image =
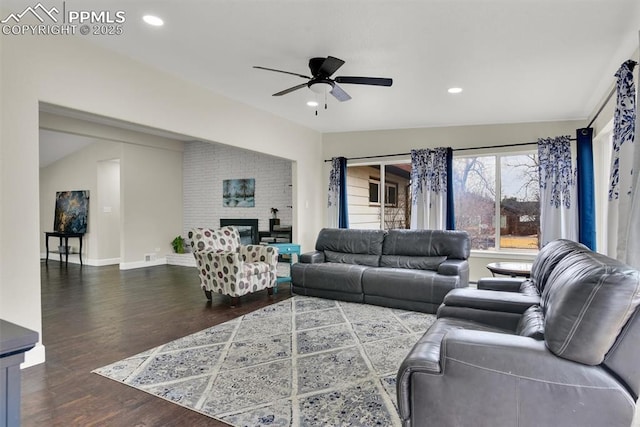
column 280, row 71
column 330, row 66
column 374, row 81
column 340, row 94
column 291, row 89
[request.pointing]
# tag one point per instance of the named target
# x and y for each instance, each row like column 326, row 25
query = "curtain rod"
column 631, row 64
column 454, row 149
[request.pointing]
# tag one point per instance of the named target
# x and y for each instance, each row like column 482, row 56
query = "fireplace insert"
column 248, row 229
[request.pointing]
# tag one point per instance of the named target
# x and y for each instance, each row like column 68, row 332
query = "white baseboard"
column 75, row 259
column 33, row 357
column 103, row 262
column 142, row 264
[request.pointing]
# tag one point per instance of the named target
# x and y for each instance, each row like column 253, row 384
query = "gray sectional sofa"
column 406, row 269
column 571, row 359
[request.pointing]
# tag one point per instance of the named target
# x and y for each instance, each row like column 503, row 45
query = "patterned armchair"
column 226, row 267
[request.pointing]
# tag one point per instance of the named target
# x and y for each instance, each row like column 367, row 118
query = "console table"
column 286, row 249
column 14, row 342
column 64, row 236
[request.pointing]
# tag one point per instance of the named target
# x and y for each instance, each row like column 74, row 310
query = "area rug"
column 300, row 362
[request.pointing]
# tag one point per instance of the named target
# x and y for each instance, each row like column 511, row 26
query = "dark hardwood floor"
column 93, row 316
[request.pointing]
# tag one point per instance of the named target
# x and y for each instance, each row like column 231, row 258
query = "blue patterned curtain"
column 586, row 196
column 558, row 213
column 338, row 206
column 429, row 188
column 624, row 209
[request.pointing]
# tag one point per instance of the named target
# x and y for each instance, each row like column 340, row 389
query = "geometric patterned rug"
column 300, row 362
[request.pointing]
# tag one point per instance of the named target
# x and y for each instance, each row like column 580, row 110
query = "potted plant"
column 178, row 245
column 274, row 212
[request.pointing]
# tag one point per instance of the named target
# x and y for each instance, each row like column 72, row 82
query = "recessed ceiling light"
column 454, row 90
column 153, row 20
column 312, row 103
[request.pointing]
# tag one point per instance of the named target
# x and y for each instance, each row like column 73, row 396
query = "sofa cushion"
column 346, row 258
column 418, row 285
column 588, row 300
column 531, row 323
column 346, row 278
column 362, row 246
column 415, row 262
column 421, row 243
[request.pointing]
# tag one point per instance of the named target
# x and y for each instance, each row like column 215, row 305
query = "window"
column 371, row 208
column 391, row 198
column 374, row 192
column 497, row 200
column 391, row 193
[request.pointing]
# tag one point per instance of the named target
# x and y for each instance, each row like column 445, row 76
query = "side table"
column 286, row 249
column 64, row 236
column 513, row 269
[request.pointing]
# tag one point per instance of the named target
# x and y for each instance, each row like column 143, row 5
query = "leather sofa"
column 502, row 300
column 406, row 269
column 570, row 361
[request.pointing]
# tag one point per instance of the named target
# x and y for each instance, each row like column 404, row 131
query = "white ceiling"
column 517, row 60
column 57, row 145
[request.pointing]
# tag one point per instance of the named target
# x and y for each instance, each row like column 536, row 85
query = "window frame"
column 498, row 198
column 387, row 185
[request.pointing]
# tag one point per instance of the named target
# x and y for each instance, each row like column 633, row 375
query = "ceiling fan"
column 321, row 81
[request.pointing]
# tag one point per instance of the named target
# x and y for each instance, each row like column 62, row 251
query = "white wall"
column 206, row 165
column 69, row 72
column 372, row 143
column 107, row 207
column 157, row 170
column 151, row 203
column 75, row 172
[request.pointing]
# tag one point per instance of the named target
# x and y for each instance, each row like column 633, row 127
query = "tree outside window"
column 497, row 200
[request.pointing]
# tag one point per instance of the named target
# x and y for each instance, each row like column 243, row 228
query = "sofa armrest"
column 505, row 284
column 207, row 260
column 456, row 267
column 488, row 378
column 260, row 253
column 453, row 267
column 314, row 257
column 510, row 302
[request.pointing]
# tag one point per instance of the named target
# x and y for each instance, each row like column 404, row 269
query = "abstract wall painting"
column 239, row 193
column 72, row 210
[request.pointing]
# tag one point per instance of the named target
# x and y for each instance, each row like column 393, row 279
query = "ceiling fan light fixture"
column 454, row 90
column 312, row 103
column 321, row 87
